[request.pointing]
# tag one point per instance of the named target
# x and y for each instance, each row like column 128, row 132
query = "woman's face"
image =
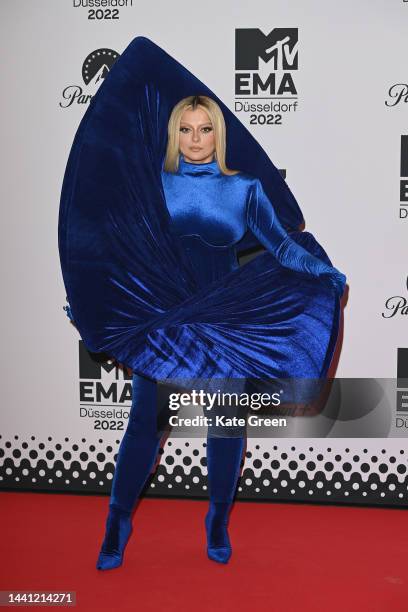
column 197, row 141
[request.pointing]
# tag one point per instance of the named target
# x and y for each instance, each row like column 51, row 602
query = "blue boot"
column 223, row 464
column 136, row 457
column 118, row 531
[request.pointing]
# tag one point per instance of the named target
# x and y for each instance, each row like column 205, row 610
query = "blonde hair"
column 214, row 112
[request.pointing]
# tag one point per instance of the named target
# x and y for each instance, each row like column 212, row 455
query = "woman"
column 212, row 319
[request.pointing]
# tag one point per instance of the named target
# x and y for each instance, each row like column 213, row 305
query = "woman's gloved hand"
column 337, row 278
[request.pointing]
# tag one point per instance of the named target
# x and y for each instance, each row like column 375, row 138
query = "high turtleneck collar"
column 189, row 168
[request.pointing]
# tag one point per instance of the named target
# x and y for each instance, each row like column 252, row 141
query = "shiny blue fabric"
column 136, row 457
column 171, row 304
column 139, row 445
column 211, row 213
column 216, row 525
column 224, row 457
column 117, row 534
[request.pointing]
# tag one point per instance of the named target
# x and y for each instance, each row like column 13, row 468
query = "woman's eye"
column 206, row 130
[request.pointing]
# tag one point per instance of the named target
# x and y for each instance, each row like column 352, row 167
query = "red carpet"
column 286, row 557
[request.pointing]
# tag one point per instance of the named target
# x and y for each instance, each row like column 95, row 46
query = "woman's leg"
column 224, row 454
column 136, row 457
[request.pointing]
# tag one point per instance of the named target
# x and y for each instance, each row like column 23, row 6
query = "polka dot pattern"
column 281, row 472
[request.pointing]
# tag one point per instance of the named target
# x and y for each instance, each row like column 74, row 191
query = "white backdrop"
column 341, row 150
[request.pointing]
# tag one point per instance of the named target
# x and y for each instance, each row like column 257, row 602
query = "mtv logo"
column 279, row 47
column 403, row 191
column 97, row 366
column 404, row 156
column 402, row 401
column 402, row 368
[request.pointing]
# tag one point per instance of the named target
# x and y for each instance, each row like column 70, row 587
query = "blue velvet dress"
column 211, row 213
column 149, row 258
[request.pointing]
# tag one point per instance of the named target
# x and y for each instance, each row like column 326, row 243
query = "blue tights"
column 136, row 457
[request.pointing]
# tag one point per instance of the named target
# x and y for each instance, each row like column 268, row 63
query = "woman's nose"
column 196, row 136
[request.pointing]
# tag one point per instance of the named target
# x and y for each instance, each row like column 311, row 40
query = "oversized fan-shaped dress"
column 129, row 271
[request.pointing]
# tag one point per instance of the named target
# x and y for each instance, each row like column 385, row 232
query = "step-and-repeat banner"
column 325, row 92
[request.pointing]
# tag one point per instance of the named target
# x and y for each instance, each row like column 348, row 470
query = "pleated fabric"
column 131, row 288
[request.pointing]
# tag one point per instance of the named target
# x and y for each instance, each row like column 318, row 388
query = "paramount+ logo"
column 95, row 68
column 396, row 305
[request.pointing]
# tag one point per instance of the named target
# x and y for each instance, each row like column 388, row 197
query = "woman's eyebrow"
column 186, row 123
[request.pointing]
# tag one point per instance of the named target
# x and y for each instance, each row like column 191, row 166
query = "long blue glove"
column 264, row 223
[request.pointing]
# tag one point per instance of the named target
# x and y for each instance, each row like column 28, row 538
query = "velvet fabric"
column 211, row 212
column 117, row 534
column 131, row 270
column 216, row 525
column 223, row 463
column 136, row 458
column 139, row 445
